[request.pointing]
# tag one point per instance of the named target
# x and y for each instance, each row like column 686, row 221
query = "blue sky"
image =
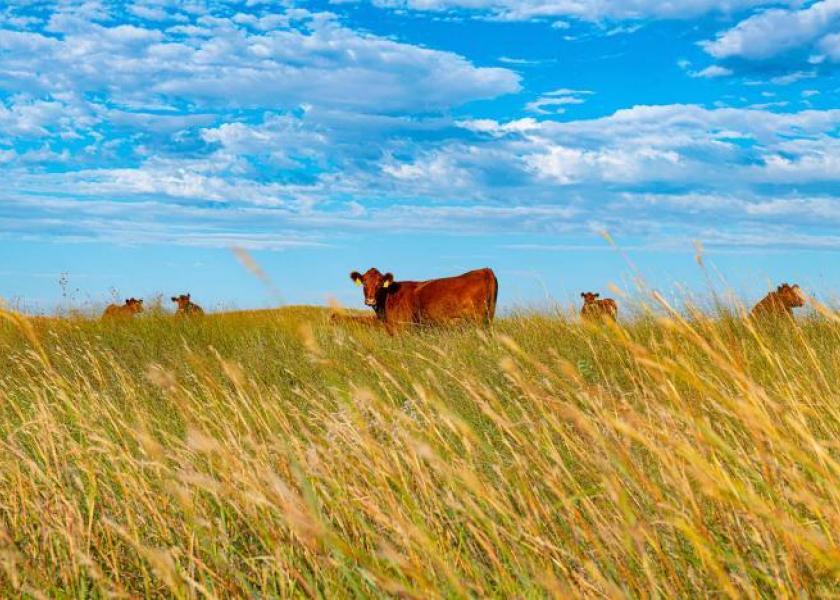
column 141, row 141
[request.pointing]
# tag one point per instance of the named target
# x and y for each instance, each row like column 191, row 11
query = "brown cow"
column 594, row 309
column 131, row 307
column 186, row 306
column 781, row 302
column 471, row 296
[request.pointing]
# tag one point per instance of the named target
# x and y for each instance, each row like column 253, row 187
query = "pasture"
column 277, row 454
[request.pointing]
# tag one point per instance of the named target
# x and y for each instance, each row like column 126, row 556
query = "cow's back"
column 469, row 296
column 114, row 310
column 771, row 305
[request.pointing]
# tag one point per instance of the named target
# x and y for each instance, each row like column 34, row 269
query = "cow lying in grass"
column 131, row 307
column 595, row 309
column 468, row 297
column 186, row 307
column 779, row 303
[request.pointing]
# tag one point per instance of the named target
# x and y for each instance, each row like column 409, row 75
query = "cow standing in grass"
column 186, row 307
column 779, row 303
column 468, row 297
column 595, row 309
column 131, row 307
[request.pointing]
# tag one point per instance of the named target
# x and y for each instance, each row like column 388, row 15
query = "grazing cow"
column 186, row 306
column 594, row 309
column 781, row 302
column 471, row 296
column 131, row 307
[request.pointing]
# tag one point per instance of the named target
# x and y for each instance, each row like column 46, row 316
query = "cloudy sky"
column 141, row 141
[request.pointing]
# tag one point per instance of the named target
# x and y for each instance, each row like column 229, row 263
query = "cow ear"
column 597, row 295
column 356, row 277
column 174, row 299
column 388, row 280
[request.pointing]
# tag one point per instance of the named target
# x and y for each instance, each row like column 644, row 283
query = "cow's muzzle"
column 370, row 301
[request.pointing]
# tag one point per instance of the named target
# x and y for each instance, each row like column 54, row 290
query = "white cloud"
column 27, row 117
column 590, row 10
column 816, row 209
column 222, row 63
column 830, row 46
column 793, row 77
column 556, row 101
column 566, row 165
column 712, row 71
column 150, row 13
column 677, row 143
column 775, row 31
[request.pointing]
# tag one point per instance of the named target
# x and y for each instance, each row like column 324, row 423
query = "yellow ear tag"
column 386, row 284
column 358, row 281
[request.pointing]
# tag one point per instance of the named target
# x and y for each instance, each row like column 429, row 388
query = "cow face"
column 589, row 297
column 373, row 283
column 790, row 295
column 134, row 305
column 183, row 301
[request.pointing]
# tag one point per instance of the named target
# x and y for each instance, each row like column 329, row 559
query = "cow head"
column 589, row 297
column 373, row 283
column 135, row 305
column 183, row 301
column 790, row 295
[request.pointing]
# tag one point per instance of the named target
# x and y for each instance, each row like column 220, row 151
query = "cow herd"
column 132, row 306
column 468, row 297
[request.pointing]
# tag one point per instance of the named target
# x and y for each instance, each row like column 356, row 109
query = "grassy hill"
column 275, row 453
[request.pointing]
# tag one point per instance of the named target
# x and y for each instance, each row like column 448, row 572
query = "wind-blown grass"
column 277, row 454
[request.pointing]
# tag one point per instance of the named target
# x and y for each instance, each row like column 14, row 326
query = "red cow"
column 186, row 306
column 781, row 302
column 131, row 307
column 471, row 297
column 595, row 309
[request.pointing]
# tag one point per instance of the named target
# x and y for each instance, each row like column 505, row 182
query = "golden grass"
column 277, row 455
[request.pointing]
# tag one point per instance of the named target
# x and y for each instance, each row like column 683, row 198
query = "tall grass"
column 277, row 454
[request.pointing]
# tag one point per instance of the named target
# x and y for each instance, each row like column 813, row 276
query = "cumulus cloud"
column 830, row 46
column 219, row 62
column 677, row 143
column 775, row 31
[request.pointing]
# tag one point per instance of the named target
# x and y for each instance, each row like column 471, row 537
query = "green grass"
column 277, row 454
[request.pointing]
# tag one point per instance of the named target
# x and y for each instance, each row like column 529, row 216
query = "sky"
column 570, row 145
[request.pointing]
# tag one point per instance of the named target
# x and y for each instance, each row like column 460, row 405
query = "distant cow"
column 131, row 307
column 594, row 309
column 186, row 306
column 781, row 302
column 471, row 296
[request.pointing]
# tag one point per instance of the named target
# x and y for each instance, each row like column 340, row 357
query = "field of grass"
column 279, row 455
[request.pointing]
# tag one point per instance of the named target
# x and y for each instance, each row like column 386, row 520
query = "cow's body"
column 131, row 307
column 468, row 297
column 186, row 307
column 780, row 302
column 594, row 309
